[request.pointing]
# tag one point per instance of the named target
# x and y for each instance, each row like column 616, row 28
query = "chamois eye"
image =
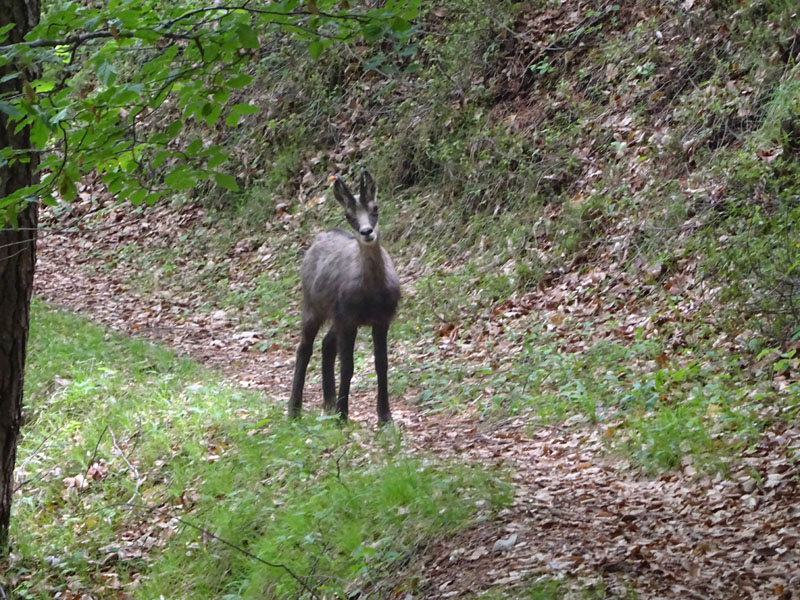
column 375, row 209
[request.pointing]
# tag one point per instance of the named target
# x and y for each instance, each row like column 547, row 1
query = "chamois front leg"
column 379, row 335
column 304, row 348
column 345, row 342
column 328, row 380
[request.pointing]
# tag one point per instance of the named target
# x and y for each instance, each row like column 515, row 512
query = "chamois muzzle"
column 368, row 233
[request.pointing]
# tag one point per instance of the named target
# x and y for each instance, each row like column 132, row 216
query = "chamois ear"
column 343, row 194
column 368, row 188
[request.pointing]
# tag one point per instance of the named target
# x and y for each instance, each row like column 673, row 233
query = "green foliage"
column 339, row 507
column 753, row 250
column 99, row 96
column 544, row 588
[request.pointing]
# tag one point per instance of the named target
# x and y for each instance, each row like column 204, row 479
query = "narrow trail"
column 575, row 514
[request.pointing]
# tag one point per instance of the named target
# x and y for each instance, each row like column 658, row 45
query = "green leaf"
column 137, row 197
column 128, row 94
column 44, row 85
column 91, row 24
column 160, row 157
column 194, row 147
column 174, row 128
column 247, row 36
column 226, row 181
column 409, row 50
column 127, row 161
column 147, row 35
column 216, row 159
column 765, row 352
column 411, row 10
column 10, row 200
column 239, row 81
column 105, row 72
column 400, row 25
column 48, row 200
column 375, row 62
column 372, row 32
column 181, row 177
column 67, row 189
column 114, row 182
column 5, row 29
column 232, row 120
column 245, row 109
column 315, row 49
column 213, row 114
column 59, row 116
column 237, row 110
column 221, row 96
column 39, row 133
column 10, row 76
column 9, row 109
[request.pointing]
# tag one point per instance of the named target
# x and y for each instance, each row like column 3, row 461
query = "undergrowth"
column 697, row 404
column 142, row 472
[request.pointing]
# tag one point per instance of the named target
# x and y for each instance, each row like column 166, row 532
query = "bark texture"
column 17, row 260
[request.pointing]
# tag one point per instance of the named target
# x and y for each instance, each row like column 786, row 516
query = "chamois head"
column 361, row 211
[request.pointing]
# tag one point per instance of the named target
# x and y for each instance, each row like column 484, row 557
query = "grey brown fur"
column 350, row 281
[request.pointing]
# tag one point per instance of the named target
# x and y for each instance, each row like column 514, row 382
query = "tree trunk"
column 17, row 259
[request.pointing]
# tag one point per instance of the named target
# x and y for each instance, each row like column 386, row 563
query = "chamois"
column 350, row 281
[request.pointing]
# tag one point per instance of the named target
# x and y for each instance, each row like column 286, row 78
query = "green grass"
column 544, row 588
column 696, row 403
column 215, row 484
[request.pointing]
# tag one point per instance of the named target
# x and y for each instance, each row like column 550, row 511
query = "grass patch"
column 697, row 403
column 545, row 588
column 144, row 472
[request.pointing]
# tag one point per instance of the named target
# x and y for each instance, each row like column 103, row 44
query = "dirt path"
column 575, row 515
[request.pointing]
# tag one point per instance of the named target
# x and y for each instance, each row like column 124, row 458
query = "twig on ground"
column 338, row 469
column 249, row 554
column 23, row 464
column 94, row 456
column 133, row 469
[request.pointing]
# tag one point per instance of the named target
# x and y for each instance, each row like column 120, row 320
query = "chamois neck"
column 372, row 262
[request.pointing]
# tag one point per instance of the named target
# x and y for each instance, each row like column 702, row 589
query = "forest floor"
column 579, row 514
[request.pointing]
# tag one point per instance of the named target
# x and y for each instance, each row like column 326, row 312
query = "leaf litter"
column 577, row 515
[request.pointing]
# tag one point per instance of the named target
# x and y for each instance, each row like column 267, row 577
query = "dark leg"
column 379, row 334
column 328, row 361
column 345, row 341
column 309, row 332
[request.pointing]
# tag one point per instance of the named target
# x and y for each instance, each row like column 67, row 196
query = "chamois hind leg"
column 379, row 335
column 328, row 362
column 309, row 332
column 345, row 342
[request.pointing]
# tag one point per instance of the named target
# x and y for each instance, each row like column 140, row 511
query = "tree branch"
column 78, row 39
column 362, row 18
column 163, row 30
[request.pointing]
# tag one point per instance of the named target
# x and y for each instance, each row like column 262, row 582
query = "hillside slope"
column 594, row 211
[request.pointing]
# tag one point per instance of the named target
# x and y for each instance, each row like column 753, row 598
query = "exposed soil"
column 576, row 515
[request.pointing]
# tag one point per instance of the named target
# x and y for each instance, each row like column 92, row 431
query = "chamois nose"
column 365, row 231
